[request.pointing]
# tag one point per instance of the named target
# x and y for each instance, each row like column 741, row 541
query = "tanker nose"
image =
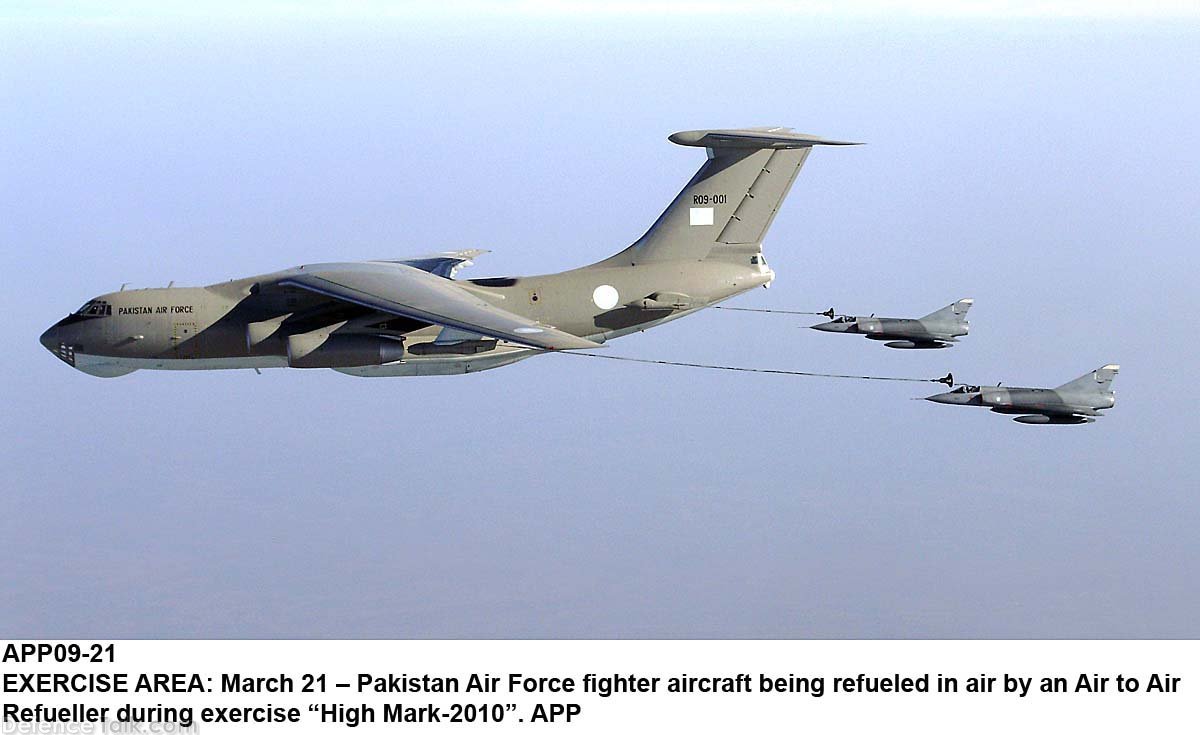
column 49, row 339
column 57, row 342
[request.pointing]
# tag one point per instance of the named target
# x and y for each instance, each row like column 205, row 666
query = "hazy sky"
column 1049, row 167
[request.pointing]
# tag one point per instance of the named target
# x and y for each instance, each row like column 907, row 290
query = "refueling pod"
column 906, row 344
column 1041, row 419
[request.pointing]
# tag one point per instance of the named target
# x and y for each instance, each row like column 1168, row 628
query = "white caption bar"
column 602, row 686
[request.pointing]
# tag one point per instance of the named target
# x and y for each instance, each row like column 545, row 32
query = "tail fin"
column 957, row 311
column 1099, row 379
column 732, row 199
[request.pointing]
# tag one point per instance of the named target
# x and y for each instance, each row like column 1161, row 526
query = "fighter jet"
column 1077, row 402
column 931, row 332
column 412, row 317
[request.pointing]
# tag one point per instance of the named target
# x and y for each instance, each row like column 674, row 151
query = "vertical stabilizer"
column 1099, row 379
column 956, row 311
column 732, row 199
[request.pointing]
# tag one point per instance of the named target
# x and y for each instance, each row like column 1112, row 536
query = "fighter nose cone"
column 829, row 327
column 952, row 399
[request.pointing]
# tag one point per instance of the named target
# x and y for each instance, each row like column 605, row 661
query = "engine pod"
column 259, row 332
column 341, row 350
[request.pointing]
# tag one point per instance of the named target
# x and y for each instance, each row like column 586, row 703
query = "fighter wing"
column 1050, row 408
column 1047, row 409
column 395, row 288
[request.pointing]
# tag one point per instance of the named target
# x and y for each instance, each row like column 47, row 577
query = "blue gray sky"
column 1045, row 164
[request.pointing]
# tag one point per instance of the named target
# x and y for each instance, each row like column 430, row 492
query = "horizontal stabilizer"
column 752, row 138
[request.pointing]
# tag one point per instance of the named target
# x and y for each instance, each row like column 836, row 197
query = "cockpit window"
column 843, row 319
column 95, row 308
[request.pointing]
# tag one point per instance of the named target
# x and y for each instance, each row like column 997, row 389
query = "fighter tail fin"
column 956, row 311
column 1099, row 379
column 732, row 199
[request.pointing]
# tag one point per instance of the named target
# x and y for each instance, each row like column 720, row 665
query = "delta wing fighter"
column 933, row 331
column 1077, row 402
column 411, row 317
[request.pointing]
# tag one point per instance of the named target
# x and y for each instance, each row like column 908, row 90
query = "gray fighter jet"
column 1077, row 402
column 931, row 332
column 411, row 317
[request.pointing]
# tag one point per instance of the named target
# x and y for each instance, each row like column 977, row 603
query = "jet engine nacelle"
column 1043, row 419
column 259, row 332
column 341, row 350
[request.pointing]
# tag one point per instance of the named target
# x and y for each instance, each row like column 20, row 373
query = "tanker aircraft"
column 411, row 316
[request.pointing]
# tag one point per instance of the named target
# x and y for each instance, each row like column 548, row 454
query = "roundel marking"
column 605, row 297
